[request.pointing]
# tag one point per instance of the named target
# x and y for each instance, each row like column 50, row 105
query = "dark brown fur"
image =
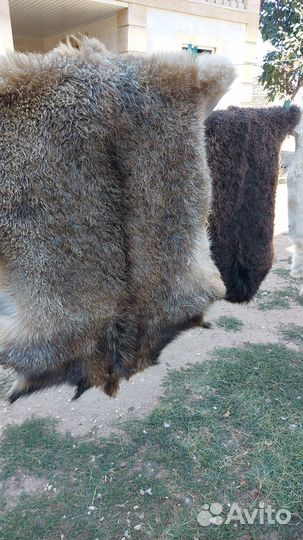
column 243, row 148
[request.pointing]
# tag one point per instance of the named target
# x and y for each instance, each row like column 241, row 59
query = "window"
column 198, row 50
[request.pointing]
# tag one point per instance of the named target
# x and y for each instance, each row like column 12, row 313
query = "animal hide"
column 295, row 203
column 243, row 148
column 105, row 192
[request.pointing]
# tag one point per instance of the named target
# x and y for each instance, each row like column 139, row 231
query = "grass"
column 6, row 381
column 230, row 324
column 225, row 430
column 292, row 333
column 278, row 298
column 282, row 272
column 282, row 178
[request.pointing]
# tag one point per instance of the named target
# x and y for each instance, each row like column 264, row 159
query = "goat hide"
column 243, row 148
column 104, row 256
column 295, row 203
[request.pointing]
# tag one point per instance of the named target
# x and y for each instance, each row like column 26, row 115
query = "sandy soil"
column 95, row 412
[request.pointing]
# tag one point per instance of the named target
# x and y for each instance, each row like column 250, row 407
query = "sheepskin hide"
column 295, row 203
column 243, row 148
column 105, row 192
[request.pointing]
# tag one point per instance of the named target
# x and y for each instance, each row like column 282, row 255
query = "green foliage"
column 281, row 23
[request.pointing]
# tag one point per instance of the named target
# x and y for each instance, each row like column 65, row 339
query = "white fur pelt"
column 295, row 203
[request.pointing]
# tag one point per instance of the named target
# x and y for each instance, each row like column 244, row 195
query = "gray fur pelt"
column 105, row 192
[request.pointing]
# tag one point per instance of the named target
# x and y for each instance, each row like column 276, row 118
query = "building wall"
column 28, row 43
column 169, row 31
column 6, row 37
column 104, row 29
column 230, row 27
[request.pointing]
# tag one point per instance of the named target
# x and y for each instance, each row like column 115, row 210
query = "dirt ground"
column 96, row 413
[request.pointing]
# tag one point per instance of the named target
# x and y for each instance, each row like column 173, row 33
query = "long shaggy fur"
column 295, row 203
column 243, row 148
column 105, row 192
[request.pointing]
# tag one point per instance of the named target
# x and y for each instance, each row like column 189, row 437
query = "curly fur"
column 104, row 256
column 243, row 148
column 295, row 203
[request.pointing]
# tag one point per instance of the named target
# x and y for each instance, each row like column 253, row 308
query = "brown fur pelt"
column 243, row 148
column 104, row 256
